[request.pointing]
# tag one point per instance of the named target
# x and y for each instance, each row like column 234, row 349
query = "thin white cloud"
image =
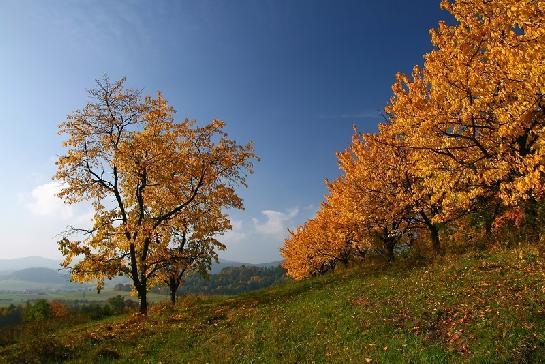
column 85, row 218
column 236, row 234
column 277, row 222
column 44, row 202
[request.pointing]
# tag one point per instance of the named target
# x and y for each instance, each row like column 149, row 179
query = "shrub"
column 39, row 311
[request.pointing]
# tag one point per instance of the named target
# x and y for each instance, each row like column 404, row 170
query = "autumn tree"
column 59, row 309
column 376, row 203
column 464, row 139
column 475, row 110
column 142, row 172
column 422, row 209
column 193, row 244
column 377, row 189
column 373, row 204
column 320, row 244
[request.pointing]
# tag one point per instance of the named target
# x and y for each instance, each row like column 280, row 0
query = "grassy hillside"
column 479, row 307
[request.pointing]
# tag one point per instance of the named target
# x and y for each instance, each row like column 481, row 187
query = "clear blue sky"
column 291, row 75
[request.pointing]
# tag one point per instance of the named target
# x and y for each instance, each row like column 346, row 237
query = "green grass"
column 91, row 295
column 482, row 307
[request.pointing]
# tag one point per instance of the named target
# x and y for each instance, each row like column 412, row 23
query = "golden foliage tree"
column 320, row 244
column 381, row 192
column 464, row 139
column 475, row 110
column 373, row 190
column 193, row 245
column 145, row 175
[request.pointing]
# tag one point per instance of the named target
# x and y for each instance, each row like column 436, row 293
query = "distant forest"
column 230, row 281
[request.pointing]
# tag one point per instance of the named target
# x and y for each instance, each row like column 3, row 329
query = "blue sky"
column 291, row 75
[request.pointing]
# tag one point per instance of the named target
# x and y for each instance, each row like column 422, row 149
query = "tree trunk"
column 142, row 294
column 345, row 257
column 489, row 219
column 530, row 220
column 434, row 233
column 389, row 245
column 173, row 285
column 173, row 297
column 140, row 283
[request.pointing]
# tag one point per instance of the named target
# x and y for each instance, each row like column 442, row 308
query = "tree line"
column 230, row 281
column 459, row 156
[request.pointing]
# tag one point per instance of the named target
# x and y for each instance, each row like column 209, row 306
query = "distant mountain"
column 30, row 272
column 224, row 263
column 10, row 265
column 270, row 264
column 35, row 279
column 215, row 269
column 40, row 275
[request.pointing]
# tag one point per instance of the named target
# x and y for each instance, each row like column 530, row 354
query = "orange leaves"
column 320, row 244
column 478, row 112
column 465, row 132
column 474, row 114
column 366, row 201
column 514, row 215
column 151, row 181
column 59, row 309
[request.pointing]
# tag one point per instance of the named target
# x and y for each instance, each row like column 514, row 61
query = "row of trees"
column 462, row 146
column 159, row 189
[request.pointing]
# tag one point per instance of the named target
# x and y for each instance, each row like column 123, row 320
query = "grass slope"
column 479, row 307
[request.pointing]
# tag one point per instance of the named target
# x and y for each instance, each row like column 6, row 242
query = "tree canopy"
column 462, row 144
column 159, row 188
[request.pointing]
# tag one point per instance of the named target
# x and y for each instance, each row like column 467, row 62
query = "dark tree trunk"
column 143, row 301
column 345, row 257
column 390, row 252
column 140, row 283
column 434, row 233
column 530, row 220
column 389, row 245
column 488, row 225
column 173, row 285
column 173, row 296
column 489, row 219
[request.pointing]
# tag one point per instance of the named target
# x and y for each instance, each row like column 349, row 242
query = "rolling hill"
column 11, row 265
column 224, row 263
column 483, row 306
column 40, row 275
column 35, row 279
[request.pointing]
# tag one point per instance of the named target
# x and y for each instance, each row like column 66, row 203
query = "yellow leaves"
column 151, row 181
column 466, row 127
column 317, row 245
column 369, row 198
column 476, row 98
